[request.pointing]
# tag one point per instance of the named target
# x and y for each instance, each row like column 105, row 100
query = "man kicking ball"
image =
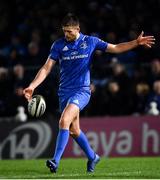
column 74, row 53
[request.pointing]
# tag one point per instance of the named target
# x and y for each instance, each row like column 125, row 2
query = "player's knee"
column 64, row 123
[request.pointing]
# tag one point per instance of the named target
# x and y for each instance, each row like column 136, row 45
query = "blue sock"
column 85, row 146
column 62, row 140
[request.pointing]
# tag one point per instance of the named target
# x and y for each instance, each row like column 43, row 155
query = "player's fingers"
column 148, row 45
column 151, row 42
column 29, row 99
column 150, row 37
column 142, row 33
column 27, row 93
column 28, row 96
column 25, row 90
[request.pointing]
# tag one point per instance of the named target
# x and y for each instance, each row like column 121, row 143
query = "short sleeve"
column 54, row 53
column 100, row 44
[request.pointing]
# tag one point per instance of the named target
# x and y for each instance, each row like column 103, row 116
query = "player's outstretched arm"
column 146, row 41
column 40, row 77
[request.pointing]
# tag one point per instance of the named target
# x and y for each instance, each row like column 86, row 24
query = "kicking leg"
column 82, row 140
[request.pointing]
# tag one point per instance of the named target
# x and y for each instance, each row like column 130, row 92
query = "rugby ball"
column 37, row 106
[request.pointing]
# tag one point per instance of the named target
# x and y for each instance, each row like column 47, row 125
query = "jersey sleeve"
column 100, row 44
column 54, row 53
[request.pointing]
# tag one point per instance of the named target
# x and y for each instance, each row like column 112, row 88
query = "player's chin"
column 69, row 38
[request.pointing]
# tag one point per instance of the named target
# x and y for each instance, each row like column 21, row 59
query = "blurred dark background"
column 124, row 84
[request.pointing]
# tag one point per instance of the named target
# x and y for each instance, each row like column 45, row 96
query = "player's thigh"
column 68, row 115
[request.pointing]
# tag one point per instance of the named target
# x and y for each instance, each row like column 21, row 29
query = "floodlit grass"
column 142, row 168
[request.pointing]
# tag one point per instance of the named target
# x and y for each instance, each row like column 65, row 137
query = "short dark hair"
column 70, row 20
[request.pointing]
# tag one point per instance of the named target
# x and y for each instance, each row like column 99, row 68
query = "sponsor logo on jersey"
column 74, row 53
column 81, row 56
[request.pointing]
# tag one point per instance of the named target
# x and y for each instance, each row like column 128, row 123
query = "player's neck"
column 78, row 34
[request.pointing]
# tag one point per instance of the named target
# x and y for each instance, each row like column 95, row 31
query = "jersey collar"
column 73, row 45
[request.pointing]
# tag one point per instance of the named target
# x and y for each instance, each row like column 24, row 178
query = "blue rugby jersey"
column 75, row 59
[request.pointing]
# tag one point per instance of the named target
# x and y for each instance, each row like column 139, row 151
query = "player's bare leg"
column 70, row 113
column 75, row 127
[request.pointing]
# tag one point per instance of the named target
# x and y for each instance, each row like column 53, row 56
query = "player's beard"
column 70, row 38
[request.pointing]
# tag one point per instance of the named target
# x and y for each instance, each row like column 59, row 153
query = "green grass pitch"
column 137, row 168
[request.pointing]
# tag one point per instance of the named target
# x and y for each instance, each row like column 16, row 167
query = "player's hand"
column 28, row 92
column 147, row 41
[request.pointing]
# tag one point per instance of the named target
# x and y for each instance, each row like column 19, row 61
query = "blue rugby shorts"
column 78, row 97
